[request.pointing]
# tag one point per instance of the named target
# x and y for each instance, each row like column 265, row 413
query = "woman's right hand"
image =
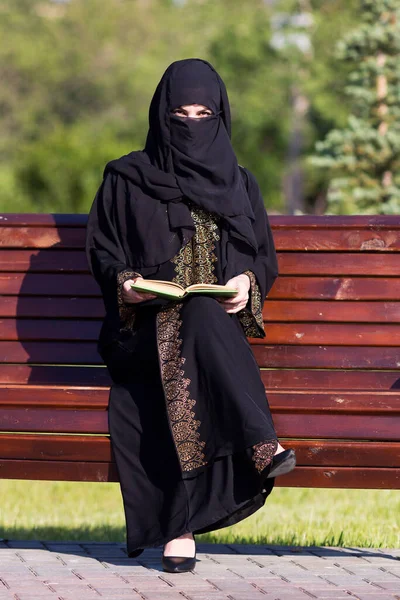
column 130, row 296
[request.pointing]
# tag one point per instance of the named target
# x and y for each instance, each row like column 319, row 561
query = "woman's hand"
column 131, row 296
column 242, row 284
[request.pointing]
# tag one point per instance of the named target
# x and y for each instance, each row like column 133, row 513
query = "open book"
column 172, row 291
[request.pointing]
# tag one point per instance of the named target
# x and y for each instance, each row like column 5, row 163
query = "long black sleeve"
column 105, row 254
column 265, row 266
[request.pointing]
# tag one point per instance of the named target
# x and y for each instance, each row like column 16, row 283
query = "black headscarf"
column 188, row 158
column 140, row 216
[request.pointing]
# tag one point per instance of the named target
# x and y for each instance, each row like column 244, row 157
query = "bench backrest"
column 330, row 361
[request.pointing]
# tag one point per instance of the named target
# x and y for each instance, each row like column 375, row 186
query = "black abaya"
column 190, row 425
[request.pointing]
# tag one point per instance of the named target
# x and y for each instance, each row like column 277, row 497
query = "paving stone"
column 208, row 596
column 84, row 570
column 170, row 595
column 29, row 596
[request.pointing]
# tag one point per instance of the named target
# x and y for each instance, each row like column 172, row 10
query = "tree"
column 77, row 82
column 363, row 158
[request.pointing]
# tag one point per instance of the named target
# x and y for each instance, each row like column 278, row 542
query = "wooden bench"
column 330, row 361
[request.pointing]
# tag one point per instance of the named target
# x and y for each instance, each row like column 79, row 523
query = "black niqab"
column 191, row 158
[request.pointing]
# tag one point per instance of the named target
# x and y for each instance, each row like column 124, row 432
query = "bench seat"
column 330, row 361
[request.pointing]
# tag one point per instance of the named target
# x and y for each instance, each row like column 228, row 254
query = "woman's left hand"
column 242, row 284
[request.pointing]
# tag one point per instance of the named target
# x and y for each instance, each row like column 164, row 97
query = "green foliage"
column 77, row 82
column 364, row 157
column 258, row 88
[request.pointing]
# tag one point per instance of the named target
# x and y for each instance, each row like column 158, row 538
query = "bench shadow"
column 43, row 359
column 38, row 300
column 114, row 551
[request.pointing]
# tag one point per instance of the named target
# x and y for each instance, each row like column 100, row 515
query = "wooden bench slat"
column 345, row 402
column 330, row 311
column 306, row 379
column 352, row 427
column 373, row 222
column 52, row 420
column 330, row 425
column 282, row 356
column 300, row 238
column 290, row 263
column 326, row 222
column 41, row 306
column 334, row 240
column 49, row 329
column 337, row 263
column 326, row 453
column 331, row 334
column 350, row 334
column 94, row 448
column 304, row 401
column 54, row 375
column 337, row 288
column 45, row 261
column 291, row 379
column 274, row 310
column 47, row 396
column 43, row 220
column 341, row 477
column 74, row 353
column 338, row 453
column 40, row 284
column 285, row 288
column 319, row 477
column 51, row 470
column 325, row 357
column 42, row 237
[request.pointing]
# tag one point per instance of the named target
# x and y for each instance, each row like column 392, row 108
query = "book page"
column 162, row 283
column 152, row 285
column 210, row 287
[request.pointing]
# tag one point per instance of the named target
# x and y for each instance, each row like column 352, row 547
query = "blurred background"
column 314, row 87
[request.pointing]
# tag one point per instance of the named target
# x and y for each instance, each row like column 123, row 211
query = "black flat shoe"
column 178, row 564
column 135, row 553
column 282, row 463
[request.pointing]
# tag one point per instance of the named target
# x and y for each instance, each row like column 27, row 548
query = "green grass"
column 291, row 516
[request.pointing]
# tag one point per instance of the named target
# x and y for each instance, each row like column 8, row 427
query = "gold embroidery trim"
column 180, row 405
column 252, row 320
column 195, row 261
column 264, row 453
column 127, row 312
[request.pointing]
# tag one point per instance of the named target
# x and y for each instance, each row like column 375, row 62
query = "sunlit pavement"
column 79, row 571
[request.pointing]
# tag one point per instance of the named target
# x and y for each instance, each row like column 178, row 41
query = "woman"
column 192, row 434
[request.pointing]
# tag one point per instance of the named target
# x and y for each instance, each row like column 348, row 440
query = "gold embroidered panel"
column 195, row 261
column 252, row 321
column 263, row 453
column 184, row 425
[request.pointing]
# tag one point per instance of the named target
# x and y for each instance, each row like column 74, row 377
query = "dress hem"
column 255, row 502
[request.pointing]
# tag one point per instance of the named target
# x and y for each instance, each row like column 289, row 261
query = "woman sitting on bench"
column 190, row 426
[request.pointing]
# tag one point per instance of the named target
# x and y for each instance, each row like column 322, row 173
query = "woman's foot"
column 179, row 554
column 184, row 545
column 279, row 449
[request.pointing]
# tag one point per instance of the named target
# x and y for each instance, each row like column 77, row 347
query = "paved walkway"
column 83, row 571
